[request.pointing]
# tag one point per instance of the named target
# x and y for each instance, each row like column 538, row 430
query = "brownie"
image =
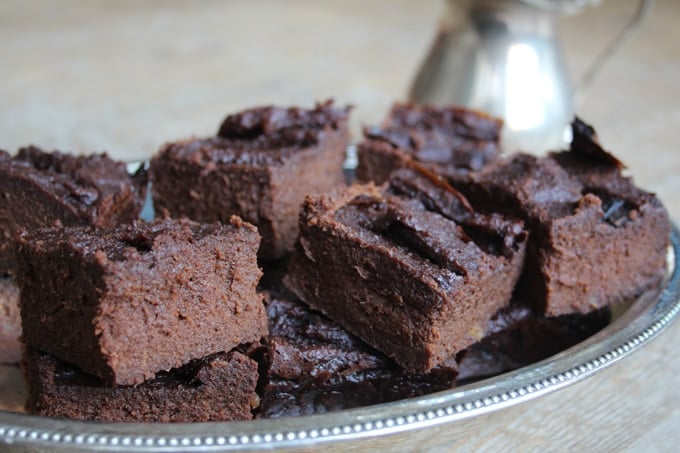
column 43, row 189
column 123, row 304
column 407, row 267
column 312, row 366
column 596, row 239
column 260, row 166
column 516, row 337
column 447, row 140
column 10, row 322
column 218, row 387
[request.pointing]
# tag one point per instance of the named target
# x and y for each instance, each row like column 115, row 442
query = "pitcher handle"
column 624, row 35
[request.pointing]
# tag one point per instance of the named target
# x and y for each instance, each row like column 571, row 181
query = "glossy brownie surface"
column 516, row 336
column 44, row 189
column 262, row 136
column 450, row 140
column 314, row 366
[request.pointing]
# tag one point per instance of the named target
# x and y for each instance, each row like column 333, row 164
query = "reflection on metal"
column 525, row 89
column 504, row 57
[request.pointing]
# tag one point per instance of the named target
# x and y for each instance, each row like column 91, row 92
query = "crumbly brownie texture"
column 314, row 366
column 10, row 322
column 448, row 140
column 219, row 387
column 260, row 166
column 125, row 303
column 516, row 337
column 425, row 272
column 42, row 189
column 596, row 239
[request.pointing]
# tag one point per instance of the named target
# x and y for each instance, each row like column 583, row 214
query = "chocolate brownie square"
column 447, row 140
column 260, row 166
column 408, row 267
column 10, row 322
column 312, row 366
column 123, row 304
column 43, row 189
column 219, row 387
column 596, row 239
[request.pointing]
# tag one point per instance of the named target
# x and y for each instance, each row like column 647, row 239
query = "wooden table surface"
column 125, row 76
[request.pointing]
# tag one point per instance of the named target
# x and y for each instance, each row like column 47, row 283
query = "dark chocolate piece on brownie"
column 260, row 166
column 587, row 161
column 595, row 238
column 126, row 303
column 219, row 387
column 10, row 321
column 516, row 337
column 449, row 140
column 42, row 189
column 424, row 278
column 314, row 366
column 585, row 142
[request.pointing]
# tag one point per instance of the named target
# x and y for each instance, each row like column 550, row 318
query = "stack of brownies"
column 124, row 306
column 447, row 263
column 109, row 305
column 42, row 189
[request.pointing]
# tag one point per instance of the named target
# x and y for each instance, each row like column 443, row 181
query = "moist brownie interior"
column 219, row 387
column 123, row 304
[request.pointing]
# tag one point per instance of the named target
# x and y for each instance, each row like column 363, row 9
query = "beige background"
column 125, row 76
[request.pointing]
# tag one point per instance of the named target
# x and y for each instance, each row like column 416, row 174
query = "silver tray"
column 633, row 325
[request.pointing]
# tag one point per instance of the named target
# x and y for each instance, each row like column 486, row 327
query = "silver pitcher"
column 504, row 57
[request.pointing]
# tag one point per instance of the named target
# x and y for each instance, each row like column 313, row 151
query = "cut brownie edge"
column 143, row 298
column 219, row 387
column 589, row 260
